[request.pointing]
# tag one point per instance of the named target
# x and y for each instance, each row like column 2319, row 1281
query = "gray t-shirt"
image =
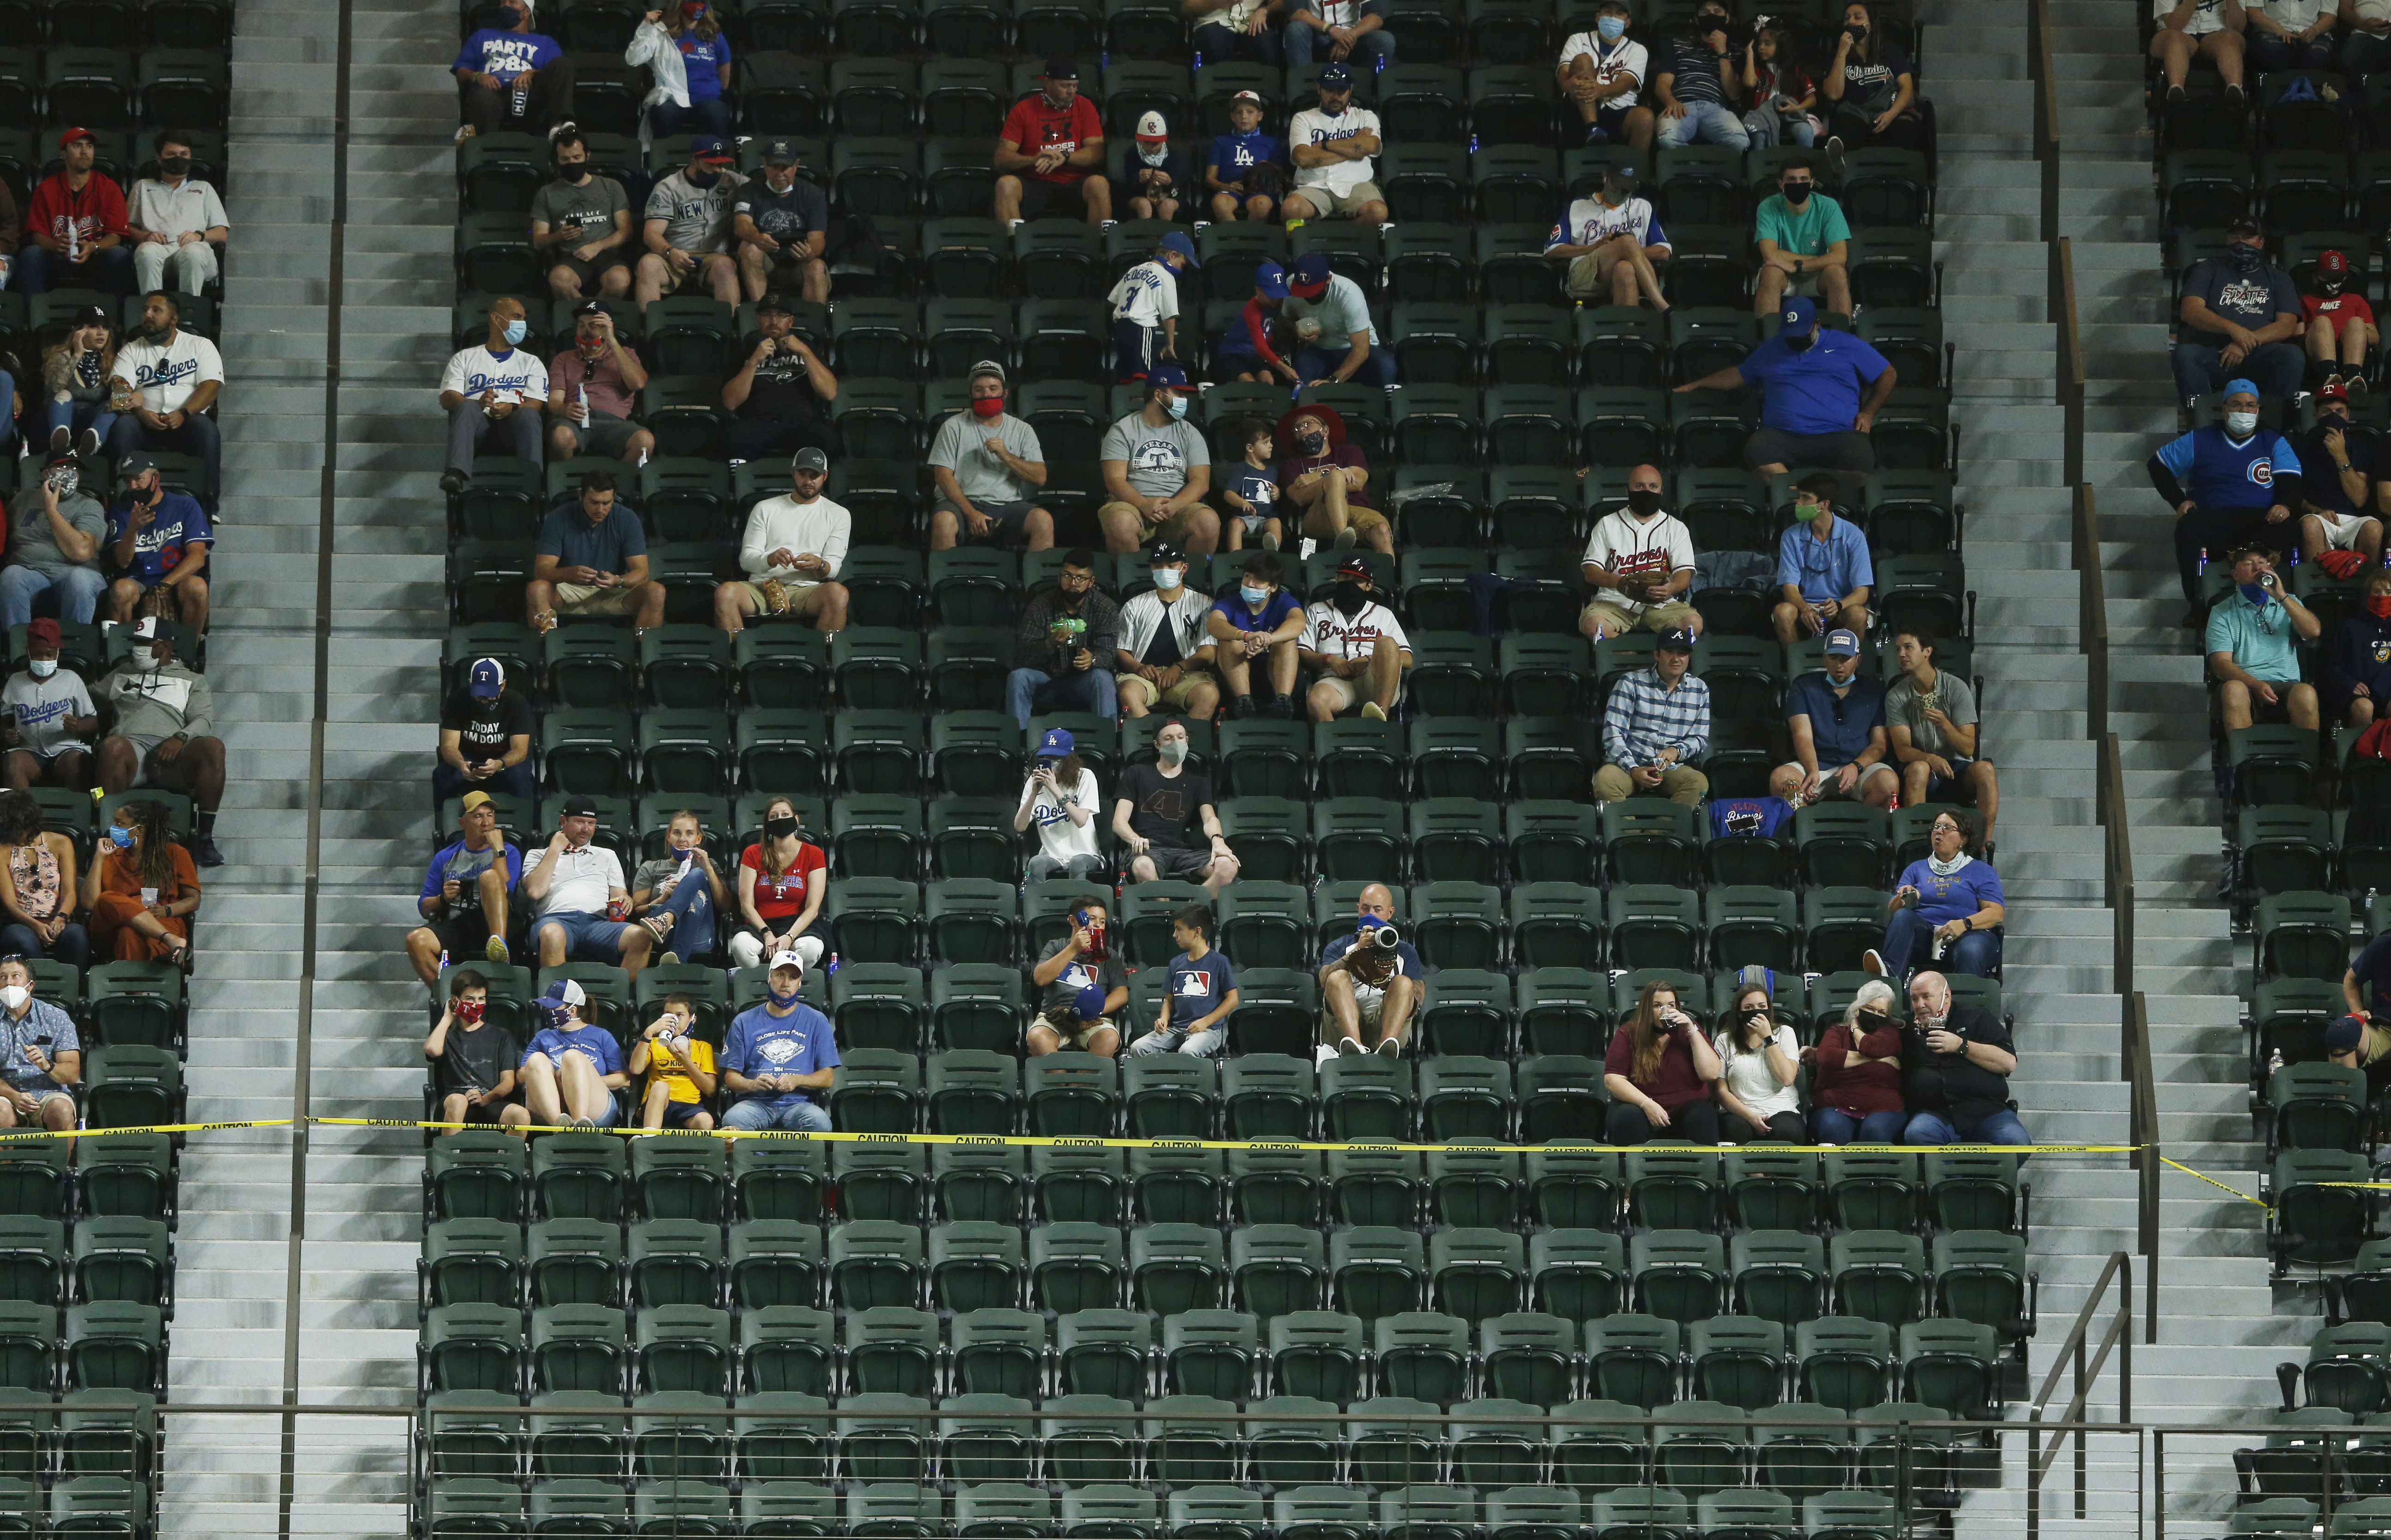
column 1342, row 311
column 592, row 206
column 961, row 446
column 696, row 219
column 1905, row 707
column 652, row 876
column 30, row 543
column 1159, row 458
column 1062, row 996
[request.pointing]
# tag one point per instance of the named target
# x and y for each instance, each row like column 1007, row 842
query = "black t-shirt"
column 788, row 217
column 483, row 728
column 1163, row 808
column 1870, row 87
column 2374, row 970
column 1953, row 1083
column 2320, row 480
column 781, row 392
column 474, row 1060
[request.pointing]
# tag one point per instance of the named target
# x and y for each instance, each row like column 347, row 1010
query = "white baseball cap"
column 1151, row 126
column 788, row 960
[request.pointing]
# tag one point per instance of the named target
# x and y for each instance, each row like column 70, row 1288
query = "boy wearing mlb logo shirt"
column 1085, row 987
column 1146, row 302
column 1203, row 992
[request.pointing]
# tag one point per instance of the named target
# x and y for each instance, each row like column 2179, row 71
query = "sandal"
column 658, row 925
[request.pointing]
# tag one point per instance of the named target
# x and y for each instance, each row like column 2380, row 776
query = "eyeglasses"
column 1947, row 828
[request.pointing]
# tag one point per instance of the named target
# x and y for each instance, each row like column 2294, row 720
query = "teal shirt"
column 1810, row 233
column 2260, row 640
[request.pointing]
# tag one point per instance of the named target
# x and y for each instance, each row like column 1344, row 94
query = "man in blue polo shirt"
column 778, row 1057
column 2251, row 653
column 2230, row 485
column 1823, row 571
column 1813, row 409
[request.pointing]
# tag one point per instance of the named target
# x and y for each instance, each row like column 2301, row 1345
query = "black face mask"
column 1871, row 1021
column 1711, row 21
column 176, row 165
column 703, row 178
column 1349, row 598
column 1796, row 194
column 780, row 828
column 2331, row 285
column 2243, row 256
column 574, row 172
column 1313, row 444
column 1802, row 343
column 1644, row 501
column 1855, row 30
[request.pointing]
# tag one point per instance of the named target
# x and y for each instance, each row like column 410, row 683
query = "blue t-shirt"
column 1255, row 484
column 466, row 867
column 760, row 1043
column 1861, row 706
column 702, row 63
column 1963, row 893
column 157, row 549
column 1236, row 154
column 1197, row 987
column 2215, row 471
column 594, row 1040
column 507, row 55
column 1816, row 390
column 568, row 537
column 1407, row 957
column 1233, row 607
column 1824, row 570
column 1749, row 817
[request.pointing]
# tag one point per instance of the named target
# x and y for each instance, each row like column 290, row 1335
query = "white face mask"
column 41, row 667
column 1166, row 579
column 14, row 996
column 2241, row 424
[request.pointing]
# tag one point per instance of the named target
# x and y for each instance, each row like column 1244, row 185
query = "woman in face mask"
column 37, row 886
column 143, row 889
column 688, row 59
column 1855, row 1083
column 782, row 882
column 2357, row 664
column 1659, row 1071
column 1759, row 1062
column 1870, row 87
column 74, row 385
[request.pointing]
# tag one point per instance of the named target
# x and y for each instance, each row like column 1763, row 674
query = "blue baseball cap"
column 1336, row 77
column 1089, row 1003
column 1055, row 744
column 1678, row 636
column 1801, row 313
column 1843, row 644
column 1270, row 281
column 2241, row 387
column 1177, row 242
column 1166, row 374
column 710, row 149
column 1308, row 278
column 487, row 678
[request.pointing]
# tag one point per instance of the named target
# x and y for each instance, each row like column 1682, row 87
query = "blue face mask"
column 120, row 837
column 1176, row 405
column 2255, row 592
column 516, row 331
column 1253, row 596
column 1612, row 27
column 781, row 998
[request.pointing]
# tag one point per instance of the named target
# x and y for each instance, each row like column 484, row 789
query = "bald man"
column 1955, row 1070
column 1370, row 988
column 1638, row 566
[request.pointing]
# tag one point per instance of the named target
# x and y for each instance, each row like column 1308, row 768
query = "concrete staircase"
column 266, row 1318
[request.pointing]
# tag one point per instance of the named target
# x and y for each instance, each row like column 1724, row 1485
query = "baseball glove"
column 776, row 598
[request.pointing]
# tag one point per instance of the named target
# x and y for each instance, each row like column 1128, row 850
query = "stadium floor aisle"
column 354, row 1275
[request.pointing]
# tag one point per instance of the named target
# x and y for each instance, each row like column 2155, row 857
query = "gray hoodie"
column 158, row 703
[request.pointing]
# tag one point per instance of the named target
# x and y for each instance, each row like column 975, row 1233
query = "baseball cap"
column 1336, row 77
column 989, row 367
column 1674, row 636
column 1166, row 374
column 2332, row 263
column 563, row 993
column 135, row 464
column 809, row 458
column 2241, row 387
column 777, row 303
column 2244, row 225
column 147, row 628
column 1177, row 242
column 1308, row 278
column 1254, row 96
column 790, row 959
column 91, row 314
column 1625, row 171
column 43, row 633
column 590, row 307
column 1152, row 129
column 1801, row 314
column 1843, row 644
column 2332, row 390
column 1355, row 570
column 779, row 152
column 1057, row 742
column 58, row 457
column 578, row 807
column 1164, row 553
column 1061, row 69
column 472, row 800
column 710, row 149
column 1270, row 281
column 71, row 135
column 486, row 677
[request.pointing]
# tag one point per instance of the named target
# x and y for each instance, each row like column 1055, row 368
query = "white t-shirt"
column 581, row 881
column 1611, row 60
column 1622, row 545
column 2372, row 10
column 1329, row 633
column 1749, row 1078
column 166, row 373
column 1146, row 295
column 520, row 376
column 2207, row 16
column 1058, row 837
column 1313, row 126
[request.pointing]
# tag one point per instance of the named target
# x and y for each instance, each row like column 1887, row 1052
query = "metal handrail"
column 2118, row 1337
column 2092, row 627
column 2143, row 1118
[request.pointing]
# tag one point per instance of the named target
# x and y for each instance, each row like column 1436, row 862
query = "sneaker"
column 561, row 130
column 1241, row 707
column 1270, row 542
column 2175, row 96
column 1390, row 1048
column 464, row 132
column 496, row 950
column 2332, row 380
column 2233, row 96
column 1373, row 712
column 584, row 1125
column 669, row 959
column 88, row 444
column 1348, row 1048
column 1872, row 964
column 1597, row 134
column 205, row 848
column 1280, row 705
column 2353, row 382
column 1345, row 538
column 61, row 439
column 544, row 622
column 452, row 481
column 1835, row 156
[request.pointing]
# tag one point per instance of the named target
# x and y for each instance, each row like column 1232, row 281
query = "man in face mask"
column 178, row 222
column 1158, row 467
column 2239, row 314
column 1611, row 242
column 2340, row 323
column 778, row 1057
column 988, row 466
column 1164, row 658
column 1064, row 642
column 1328, row 477
column 1823, row 568
column 41, row 1057
column 2339, row 527
column 1837, row 719
column 781, row 222
column 1355, row 646
column 1164, row 816
column 511, row 77
column 2231, row 484
column 1803, row 242
column 1259, row 620
column 1697, row 77
column 686, row 233
column 163, row 712
column 1821, row 389
column 2357, row 664
column 50, row 717
column 593, row 387
column 1638, row 562
column 56, row 533
column 582, row 222
column 493, row 393
column 158, row 543
column 2252, row 652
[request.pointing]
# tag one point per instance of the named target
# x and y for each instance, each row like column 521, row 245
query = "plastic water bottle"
column 833, row 965
column 444, row 959
column 582, row 392
column 74, row 240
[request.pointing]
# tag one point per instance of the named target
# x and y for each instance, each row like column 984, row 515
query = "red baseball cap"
column 2334, row 263
column 71, row 135
column 2332, row 391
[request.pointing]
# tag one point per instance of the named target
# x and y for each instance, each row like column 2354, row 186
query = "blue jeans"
column 1708, row 121
column 78, row 592
column 109, row 270
column 1374, row 51
column 1830, row 1127
column 1027, row 691
column 448, row 783
column 692, row 907
column 712, row 116
column 755, row 1113
column 77, row 415
column 1769, row 128
column 2276, row 368
column 1320, row 363
column 72, row 946
column 1220, row 45
column 1909, row 936
column 1997, row 1128
column 198, row 437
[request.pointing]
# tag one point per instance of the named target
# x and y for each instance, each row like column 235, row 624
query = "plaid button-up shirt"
column 1645, row 717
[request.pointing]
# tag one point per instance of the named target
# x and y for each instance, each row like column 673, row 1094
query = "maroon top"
column 1293, row 466
column 1870, row 1087
column 1675, row 1085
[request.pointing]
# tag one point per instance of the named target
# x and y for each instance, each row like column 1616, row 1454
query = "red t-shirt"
column 2344, row 306
column 783, row 897
column 97, row 211
column 1673, row 1085
column 1034, row 125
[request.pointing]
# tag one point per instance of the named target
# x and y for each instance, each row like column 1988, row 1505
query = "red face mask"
column 987, row 406
column 469, row 1010
column 2379, row 605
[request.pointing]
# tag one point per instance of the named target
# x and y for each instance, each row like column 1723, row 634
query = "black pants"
column 2218, row 530
column 549, row 101
column 749, row 439
column 1857, row 128
column 1783, row 1128
column 1626, row 1124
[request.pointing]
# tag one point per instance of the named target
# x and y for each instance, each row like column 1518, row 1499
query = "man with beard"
column 582, row 222
column 593, row 388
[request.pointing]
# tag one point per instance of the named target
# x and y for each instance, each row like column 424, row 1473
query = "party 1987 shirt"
column 506, row 55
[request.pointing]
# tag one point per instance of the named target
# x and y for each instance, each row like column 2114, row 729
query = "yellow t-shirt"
column 678, row 1086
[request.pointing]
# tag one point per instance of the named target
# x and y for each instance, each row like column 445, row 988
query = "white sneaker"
column 1373, row 711
column 1872, row 964
column 1390, row 1048
column 1349, row 1047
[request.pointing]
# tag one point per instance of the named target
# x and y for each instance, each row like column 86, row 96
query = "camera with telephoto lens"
column 1377, row 937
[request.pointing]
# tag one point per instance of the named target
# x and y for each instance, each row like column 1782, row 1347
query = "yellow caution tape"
column 2235, row 1191
column 144, row 1128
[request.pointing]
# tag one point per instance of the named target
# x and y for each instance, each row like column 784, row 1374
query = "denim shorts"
column 588, row 937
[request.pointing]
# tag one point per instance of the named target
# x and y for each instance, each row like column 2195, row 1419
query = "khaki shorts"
column 1827, row 793
column 1176, row 697
column 1349, row 693
column 803, row 602
column 1345, row 203
column 1072, row 1031
column 1617, row 621
column 1172, row 529
column 580, row 599
column 1359, row 520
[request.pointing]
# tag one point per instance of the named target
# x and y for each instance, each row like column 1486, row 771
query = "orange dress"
column 119, row 900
